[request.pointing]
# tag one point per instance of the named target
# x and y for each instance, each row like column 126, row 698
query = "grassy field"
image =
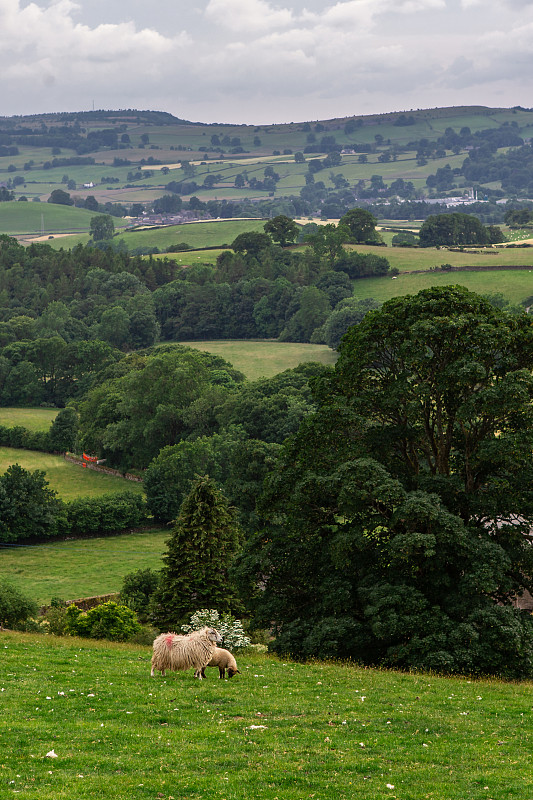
column 263, row 359
column 515, row 285
column 34, row 419
column 48, row 218
column 81, row 567
column 279, row 731
column 67, row 479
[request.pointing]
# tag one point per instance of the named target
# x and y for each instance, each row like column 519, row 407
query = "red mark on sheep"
column 169, row 639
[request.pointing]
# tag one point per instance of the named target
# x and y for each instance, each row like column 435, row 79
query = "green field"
column 265, row 358
column 67, row 479
column 44, row 218
column 279, row 731
column 515, row 285
column 33, row 419
column 81, row 567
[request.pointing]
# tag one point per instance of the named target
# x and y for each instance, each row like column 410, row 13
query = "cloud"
column 258, row 61
column 247, row 15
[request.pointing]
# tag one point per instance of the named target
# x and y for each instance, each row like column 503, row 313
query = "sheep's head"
column 232, row 672
column 214, row 636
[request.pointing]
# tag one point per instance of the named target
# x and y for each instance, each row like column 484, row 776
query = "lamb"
column 224, row 660
column 173, row 651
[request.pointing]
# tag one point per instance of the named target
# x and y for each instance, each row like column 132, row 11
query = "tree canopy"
column 397, row 525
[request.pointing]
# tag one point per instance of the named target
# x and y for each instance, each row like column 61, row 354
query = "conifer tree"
column 200, row 551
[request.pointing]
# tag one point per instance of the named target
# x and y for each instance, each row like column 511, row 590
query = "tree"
column 251, row 243
column 27, row 506
column 15, row 608
column 64, row 430
column 102, row 227
column 361, row 224
column 198, row 558
column 398, row 520
column 453, row 229
column 60, row 197
column 282, row 229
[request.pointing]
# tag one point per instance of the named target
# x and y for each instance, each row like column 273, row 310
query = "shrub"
column 106, row 621
column 229, row 628
column 138, row 588
column 15, row 608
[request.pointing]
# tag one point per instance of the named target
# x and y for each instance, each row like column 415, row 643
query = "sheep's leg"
column 222, row 672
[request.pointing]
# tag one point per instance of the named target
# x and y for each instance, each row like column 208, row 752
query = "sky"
column 260, row 62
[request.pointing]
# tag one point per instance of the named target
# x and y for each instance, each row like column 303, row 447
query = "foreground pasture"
column 279, row 730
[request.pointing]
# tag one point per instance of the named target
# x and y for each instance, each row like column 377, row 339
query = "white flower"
column 390, row 786
column 51, row 754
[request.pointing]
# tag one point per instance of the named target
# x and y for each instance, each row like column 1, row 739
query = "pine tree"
column 200, row 551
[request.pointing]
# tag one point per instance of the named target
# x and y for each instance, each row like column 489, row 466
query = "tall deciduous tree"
column 199, row 555
column 399, row 520
column 361, row 224
column 282, row 229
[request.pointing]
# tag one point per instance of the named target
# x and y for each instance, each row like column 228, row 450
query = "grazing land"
column 81, row 567
column 67, row 479
column 265, row 358
column 279, row 730
column 515, row 285
column 34, row 419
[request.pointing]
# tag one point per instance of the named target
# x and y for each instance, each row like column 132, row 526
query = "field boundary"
column 97, row 468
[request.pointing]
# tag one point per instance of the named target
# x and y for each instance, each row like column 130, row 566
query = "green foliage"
column 231, row 629
column 361, row 225
column 398, row 519
column 200, row 552
column 282, row 229
column 138, row 588
column 454, row 229
column 105, row 621
column 106, row 513
column 15, row 608
column 28, row 508
column 102, row 227
column 64, row 430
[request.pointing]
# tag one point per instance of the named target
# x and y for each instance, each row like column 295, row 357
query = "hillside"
column 127, row 160
column 279, row 729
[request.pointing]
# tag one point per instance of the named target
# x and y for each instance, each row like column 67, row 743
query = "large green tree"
column 199, row 555
column 282, row 229
column 361, row 224
column 398, row 522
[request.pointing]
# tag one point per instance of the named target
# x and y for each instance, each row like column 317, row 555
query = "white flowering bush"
column 229, row 628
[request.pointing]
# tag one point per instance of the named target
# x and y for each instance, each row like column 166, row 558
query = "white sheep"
column 224, row 660
column 173, row 651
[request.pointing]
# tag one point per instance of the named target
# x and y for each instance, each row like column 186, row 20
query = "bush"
column 106, row 621
column 15, row 608
column 138, row 588
column 105, row 514
column 229, row 628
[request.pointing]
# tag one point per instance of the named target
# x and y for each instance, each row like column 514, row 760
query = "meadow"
column 515, row 285
column 265, row 358
column 81, row 567
column 33, row 419
column 69, row 480
column 44, row 218
column 280, row 730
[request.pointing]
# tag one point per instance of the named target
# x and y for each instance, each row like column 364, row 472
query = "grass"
column 34, row 419
column 67, row 479
column 515, row 285
column 48, row 218
column 263, row 359
column 81, row 567
column 278, row 730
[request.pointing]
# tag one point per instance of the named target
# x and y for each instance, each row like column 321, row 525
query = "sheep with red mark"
column 172, row 651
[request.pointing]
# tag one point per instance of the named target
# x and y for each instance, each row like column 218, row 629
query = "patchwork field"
column 67, row 479
column 279, row 730
column 81, row 567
